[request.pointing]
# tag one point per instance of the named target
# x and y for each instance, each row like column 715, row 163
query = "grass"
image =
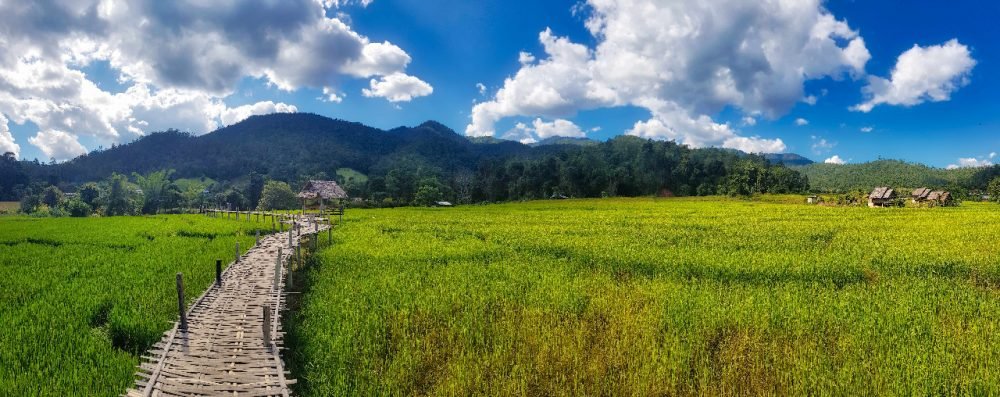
column 82, row 298
column 654, row 297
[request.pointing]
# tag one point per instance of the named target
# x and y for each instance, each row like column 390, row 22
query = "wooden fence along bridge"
column 228, row 342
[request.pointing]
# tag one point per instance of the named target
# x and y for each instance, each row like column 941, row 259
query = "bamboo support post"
column 180, row 301
column 277, row 270
column 267, row 327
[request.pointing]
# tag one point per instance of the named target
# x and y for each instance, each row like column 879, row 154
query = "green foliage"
column 77, row 208
column 89, row 193
column 428, row 193
column 120, row 197
column 30, row 203
column 254, row 189
column 157, row 190
column 277, row 195
column 82, row 298
column 895, row 173
column 654, row 297
column 13, row 177
column 52, row 196
column 994, row 189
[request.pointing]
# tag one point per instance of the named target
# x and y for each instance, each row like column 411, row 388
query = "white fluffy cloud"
column 972, row 162
column 176, row 60
column 398, row 87
column 539, row 130
column 801, row 122
column 867, row 129
column 7, row 140
column 835, row 159
column 821, row 145
column 57, row 144
column 921, row 74
column 682, row 61
column 235, row 115
column 557, row 127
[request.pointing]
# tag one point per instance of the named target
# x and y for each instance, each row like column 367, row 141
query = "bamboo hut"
column 320, row 193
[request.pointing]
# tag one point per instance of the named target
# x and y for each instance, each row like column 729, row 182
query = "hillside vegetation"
column 864, row 176
column 390, row 168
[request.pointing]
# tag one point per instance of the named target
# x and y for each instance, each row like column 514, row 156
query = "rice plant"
column 654, row 297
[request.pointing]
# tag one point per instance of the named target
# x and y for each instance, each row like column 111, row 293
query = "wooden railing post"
column 257, row 236
column 267, row 327
column 277, row 270
column 237, row 252
column 218, row 272
column 180, row 301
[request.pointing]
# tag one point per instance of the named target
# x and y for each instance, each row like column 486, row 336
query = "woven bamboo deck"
column 222, row 351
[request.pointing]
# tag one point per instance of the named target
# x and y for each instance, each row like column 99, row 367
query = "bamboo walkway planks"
column 223, row 350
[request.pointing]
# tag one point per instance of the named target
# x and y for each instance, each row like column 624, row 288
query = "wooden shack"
column 882, row 197
column 920, row 195
column 940, row 197
column 319, row 193
column 812, row 199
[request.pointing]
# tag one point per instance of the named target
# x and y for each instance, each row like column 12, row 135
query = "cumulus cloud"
column 7, row 144
column 821, row 145
column 481, row 88
column 539, row 130
column 750, row 121
column 835, row 159
column 993, row 155
column 58, row 145
column 971, row 162
column 398, row 87
column 235, row 115
column 176, row 60
column 801, row 122
column 558, row 127
column 682, row 61
column 525, row 58
column 921, row 74
column 867, row 129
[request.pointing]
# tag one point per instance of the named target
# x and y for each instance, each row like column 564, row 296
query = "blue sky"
column 437, row 53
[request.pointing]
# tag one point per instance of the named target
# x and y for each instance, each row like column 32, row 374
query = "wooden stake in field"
column 180, row 301
column 237, row 252
column 218, row 272
column 257, row 236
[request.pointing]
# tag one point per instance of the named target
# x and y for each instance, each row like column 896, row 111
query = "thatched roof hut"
column 321, row 191
column 920, row 194
column 881, row 197
column 940, row 197
column 326, row 190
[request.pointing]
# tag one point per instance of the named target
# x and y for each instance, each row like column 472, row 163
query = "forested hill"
column 900, row 174
column 282, row 146
column 394, row 165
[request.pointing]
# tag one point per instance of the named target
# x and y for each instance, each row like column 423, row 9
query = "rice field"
column 82, row 298
column 654, row 297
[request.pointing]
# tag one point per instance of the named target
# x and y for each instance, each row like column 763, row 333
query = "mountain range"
column 288, row 146
column 284, row 145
